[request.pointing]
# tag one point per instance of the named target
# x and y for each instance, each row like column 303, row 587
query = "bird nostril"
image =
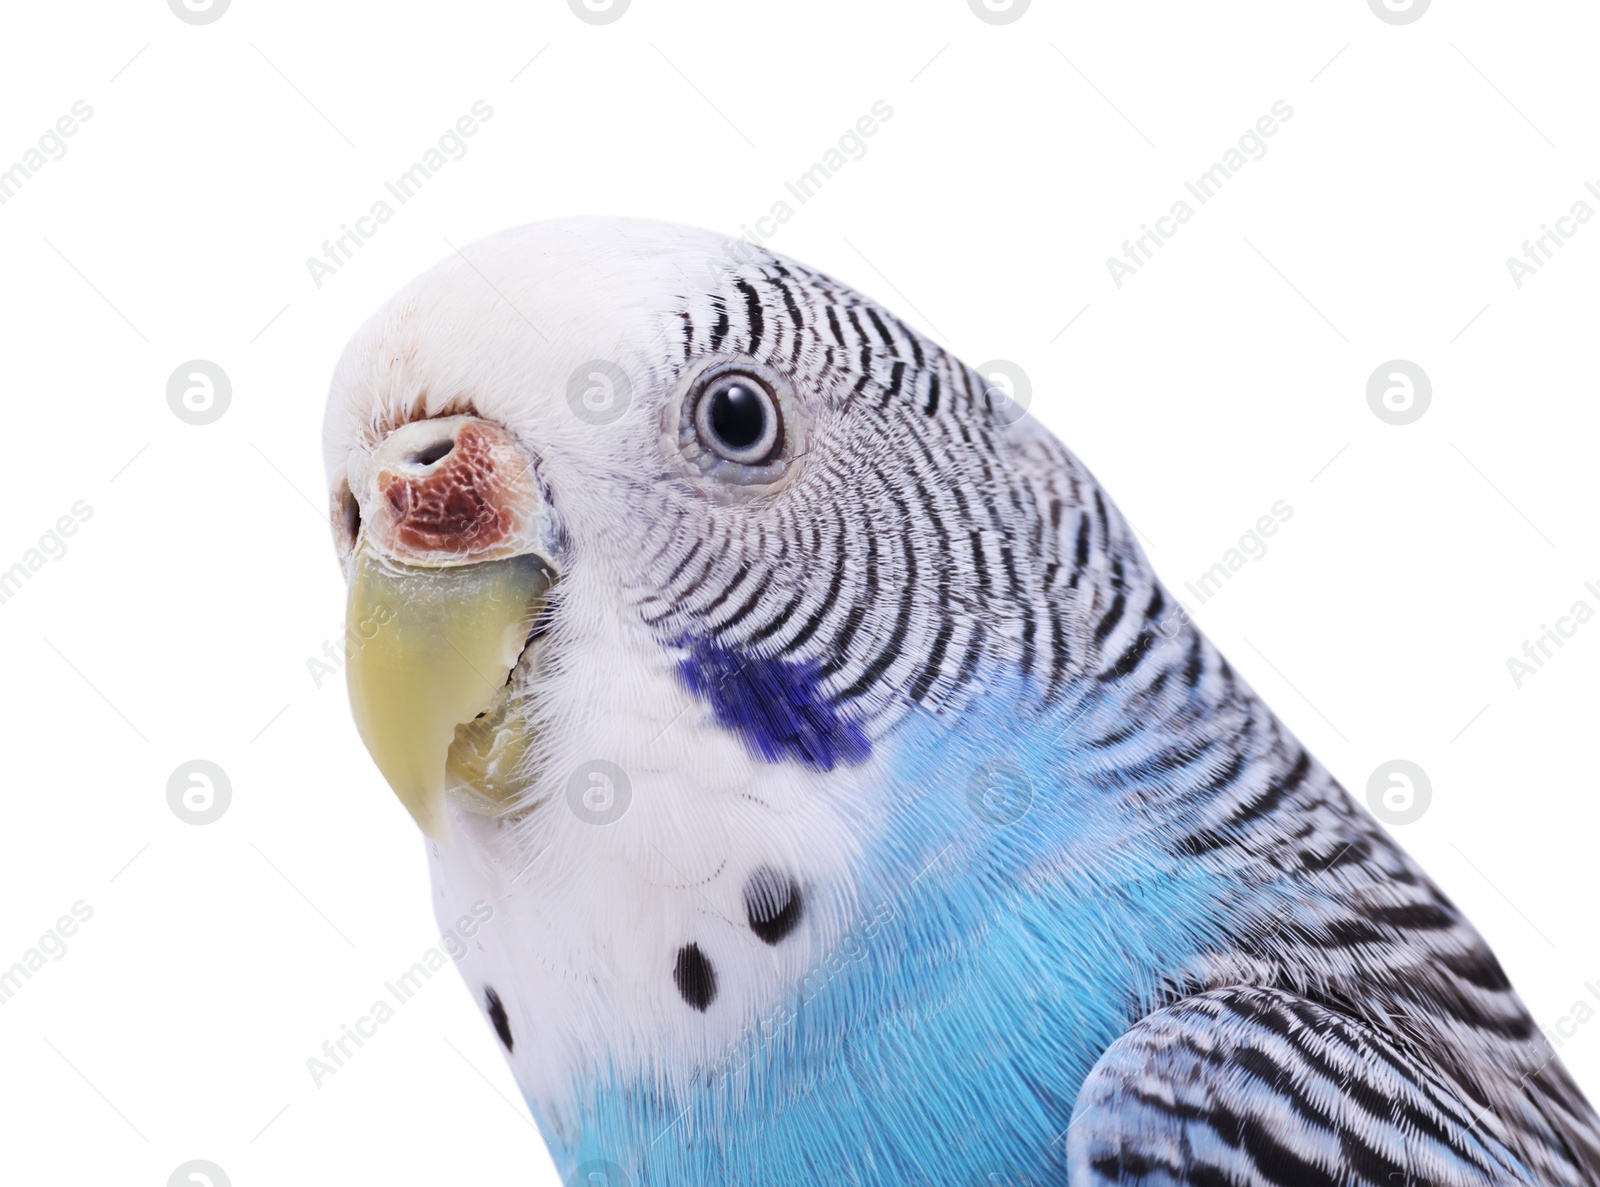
column 426, row 457
column 350, row 517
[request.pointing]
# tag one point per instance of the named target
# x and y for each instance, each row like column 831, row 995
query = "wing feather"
column 1256, row 1086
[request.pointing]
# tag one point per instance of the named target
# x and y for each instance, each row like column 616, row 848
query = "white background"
column 1228, row 374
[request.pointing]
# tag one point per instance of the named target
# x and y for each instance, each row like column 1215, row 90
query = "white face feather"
column 590, row 918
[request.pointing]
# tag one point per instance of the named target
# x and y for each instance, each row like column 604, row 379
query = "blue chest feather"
column 775, row 705
column 990, row 960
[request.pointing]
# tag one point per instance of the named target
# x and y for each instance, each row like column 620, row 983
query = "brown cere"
column 460, row 506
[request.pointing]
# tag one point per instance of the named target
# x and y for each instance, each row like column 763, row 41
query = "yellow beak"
column 437, row 648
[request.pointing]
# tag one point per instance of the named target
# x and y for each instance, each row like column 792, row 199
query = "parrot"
column 847, row 799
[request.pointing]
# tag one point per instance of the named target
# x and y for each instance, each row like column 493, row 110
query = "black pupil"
column 738, row 415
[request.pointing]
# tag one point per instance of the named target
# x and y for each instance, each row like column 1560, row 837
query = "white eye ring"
column 743, row 448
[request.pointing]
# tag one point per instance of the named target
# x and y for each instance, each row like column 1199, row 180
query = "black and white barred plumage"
column 1378, row 965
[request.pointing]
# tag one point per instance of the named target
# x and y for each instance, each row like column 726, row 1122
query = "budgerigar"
column 849, row 802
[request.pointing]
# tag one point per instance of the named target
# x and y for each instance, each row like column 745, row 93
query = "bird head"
column 653, row 541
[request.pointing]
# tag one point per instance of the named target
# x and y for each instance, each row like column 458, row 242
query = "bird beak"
column 443, row 644
column 445, row 590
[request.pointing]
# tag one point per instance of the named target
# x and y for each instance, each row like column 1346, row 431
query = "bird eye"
column 738, row 420
column 739, row 425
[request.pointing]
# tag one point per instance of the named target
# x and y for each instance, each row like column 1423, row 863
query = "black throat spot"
column 497, row 1015
column 695, row 977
